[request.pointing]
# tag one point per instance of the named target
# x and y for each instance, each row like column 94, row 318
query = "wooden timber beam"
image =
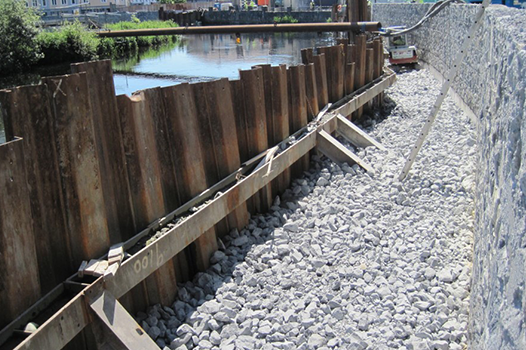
column 355, row 135
column 121, row 323
column 73, row 317
column 337, row 152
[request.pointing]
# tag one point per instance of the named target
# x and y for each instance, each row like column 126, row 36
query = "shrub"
column 18, row 49
column 71, row 43
column 131, row 44
column 285, row 19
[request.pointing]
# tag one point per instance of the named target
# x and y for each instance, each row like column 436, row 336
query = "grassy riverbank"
column 74, row 42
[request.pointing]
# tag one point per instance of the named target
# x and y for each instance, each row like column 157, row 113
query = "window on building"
column 35, row 4
column 73, row 1
column 54, row 2
column 64, row 2
column 44, row 3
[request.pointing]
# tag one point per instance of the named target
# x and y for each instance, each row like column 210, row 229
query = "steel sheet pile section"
column 255, row 28
column 16, row 235
column 90, row 154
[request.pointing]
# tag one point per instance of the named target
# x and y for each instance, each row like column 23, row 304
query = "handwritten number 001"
column 148, row 260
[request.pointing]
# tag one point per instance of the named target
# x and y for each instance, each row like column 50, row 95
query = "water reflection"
column 206, row 57
column 2, row 133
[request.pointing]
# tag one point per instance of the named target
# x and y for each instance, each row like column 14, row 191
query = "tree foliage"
column 18, row 49
column 72, row 42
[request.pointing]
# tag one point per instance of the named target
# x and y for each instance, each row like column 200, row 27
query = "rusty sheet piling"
column 102, row 169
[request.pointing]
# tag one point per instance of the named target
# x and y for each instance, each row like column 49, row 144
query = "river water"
column 206, row 57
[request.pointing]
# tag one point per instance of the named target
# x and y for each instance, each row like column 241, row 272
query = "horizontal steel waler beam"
column 75, row 315
column 254, row 28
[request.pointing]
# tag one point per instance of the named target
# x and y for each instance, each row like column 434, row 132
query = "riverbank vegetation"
column 23, row 45
column 18, row 29
column 285, row 19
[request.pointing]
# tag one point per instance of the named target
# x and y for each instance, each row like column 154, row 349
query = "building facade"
column 73, row 6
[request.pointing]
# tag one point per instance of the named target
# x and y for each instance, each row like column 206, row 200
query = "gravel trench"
column 346, row 259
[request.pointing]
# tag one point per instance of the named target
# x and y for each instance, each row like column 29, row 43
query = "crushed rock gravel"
column 346, row 259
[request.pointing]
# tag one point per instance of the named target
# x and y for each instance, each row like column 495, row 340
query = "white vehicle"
column 400, row 52
column 226, row 6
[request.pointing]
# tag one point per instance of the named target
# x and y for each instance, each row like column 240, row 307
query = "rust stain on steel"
column 19, row 285
column 311, row 91
column 141, row 160
column 28, row 112
column 109, row 147
column 321, row 80
column 183, row 132
column 59, row 330
column 238, row 103
column 79, row 167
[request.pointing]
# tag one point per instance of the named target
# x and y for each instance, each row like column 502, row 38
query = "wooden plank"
column 121, row 323
column 107, row 132
column 20, row 286
column 321, row 80
column 337, row 152
column 52, row 335
column 355, row 135
column 256, row 123
column 28, row 112
column 79, row 167
column 311, row 92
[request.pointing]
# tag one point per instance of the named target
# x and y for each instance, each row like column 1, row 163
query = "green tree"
column 18, row 49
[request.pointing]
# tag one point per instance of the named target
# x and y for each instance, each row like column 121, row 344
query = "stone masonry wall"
column 492, row 82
